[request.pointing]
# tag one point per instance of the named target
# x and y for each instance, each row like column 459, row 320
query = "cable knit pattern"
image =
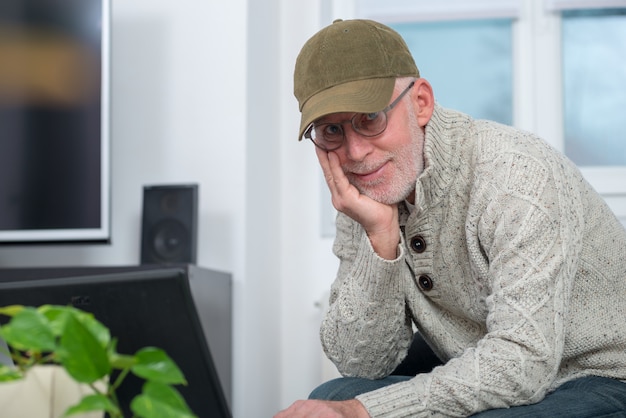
column 528, row 273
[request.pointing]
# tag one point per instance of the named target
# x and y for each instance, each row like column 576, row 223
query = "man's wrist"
column 357, row 408
column 386, row 246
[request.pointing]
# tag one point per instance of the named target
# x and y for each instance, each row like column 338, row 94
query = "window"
column 594, row 80
column 469, row 64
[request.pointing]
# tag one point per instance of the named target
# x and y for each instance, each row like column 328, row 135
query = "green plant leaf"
column 121, row 361
column 155, row 365
column 29, row 330
column 92, row 403
column 81, row 353
column 57, row 315
column 159, row 400
column 95, row 327
column 9, row 374
column 11, row 310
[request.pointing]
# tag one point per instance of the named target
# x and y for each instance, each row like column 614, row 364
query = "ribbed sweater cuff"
column 378, row 276
column 394, row 401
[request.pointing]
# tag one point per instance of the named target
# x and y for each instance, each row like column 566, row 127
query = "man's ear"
column 424, row 99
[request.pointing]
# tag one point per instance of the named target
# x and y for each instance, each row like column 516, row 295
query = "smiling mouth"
column 370, row 175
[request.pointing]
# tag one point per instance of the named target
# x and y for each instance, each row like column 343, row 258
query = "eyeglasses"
column 330, row 136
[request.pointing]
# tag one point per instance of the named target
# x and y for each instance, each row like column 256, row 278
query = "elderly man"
column 480, row 236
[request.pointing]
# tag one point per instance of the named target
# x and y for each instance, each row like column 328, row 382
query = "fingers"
column 327, row 409
column 345, row 197
column 323, row 158
column 336, row 180
column 337, row 176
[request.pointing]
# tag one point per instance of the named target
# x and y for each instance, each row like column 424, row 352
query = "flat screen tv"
column 54, row 121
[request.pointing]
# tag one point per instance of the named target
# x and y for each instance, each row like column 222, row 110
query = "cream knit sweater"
column 511, row 267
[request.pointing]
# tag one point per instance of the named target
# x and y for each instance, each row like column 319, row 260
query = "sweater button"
column 425, row 283
column 418, row 244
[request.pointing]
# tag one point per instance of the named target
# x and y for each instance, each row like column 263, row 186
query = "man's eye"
column 368, row 117
column 333, row 132
column 367, row 121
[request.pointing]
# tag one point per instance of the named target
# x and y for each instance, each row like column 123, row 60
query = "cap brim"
column 370, row 95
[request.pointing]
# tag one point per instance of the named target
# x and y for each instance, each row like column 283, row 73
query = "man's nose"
column 357, row 146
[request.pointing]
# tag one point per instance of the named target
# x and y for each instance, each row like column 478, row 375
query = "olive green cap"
column 349, row 66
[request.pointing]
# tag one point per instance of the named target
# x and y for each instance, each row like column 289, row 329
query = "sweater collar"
column 444, row 133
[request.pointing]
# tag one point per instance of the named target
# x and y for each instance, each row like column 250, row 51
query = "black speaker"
column 169, row 224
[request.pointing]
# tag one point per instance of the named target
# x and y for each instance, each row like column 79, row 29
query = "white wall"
column 202, row 92
column 308, row 265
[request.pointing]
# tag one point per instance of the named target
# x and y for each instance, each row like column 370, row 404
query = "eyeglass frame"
column 385, row 111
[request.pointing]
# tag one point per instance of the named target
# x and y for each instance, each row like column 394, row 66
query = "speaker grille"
column 169, row 224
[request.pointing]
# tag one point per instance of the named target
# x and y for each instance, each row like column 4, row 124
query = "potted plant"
column 76, row 341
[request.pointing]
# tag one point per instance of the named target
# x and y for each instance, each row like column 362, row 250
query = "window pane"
column 468, row 63
column 594, row 77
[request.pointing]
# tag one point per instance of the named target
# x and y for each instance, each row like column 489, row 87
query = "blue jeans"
column 586, row 397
